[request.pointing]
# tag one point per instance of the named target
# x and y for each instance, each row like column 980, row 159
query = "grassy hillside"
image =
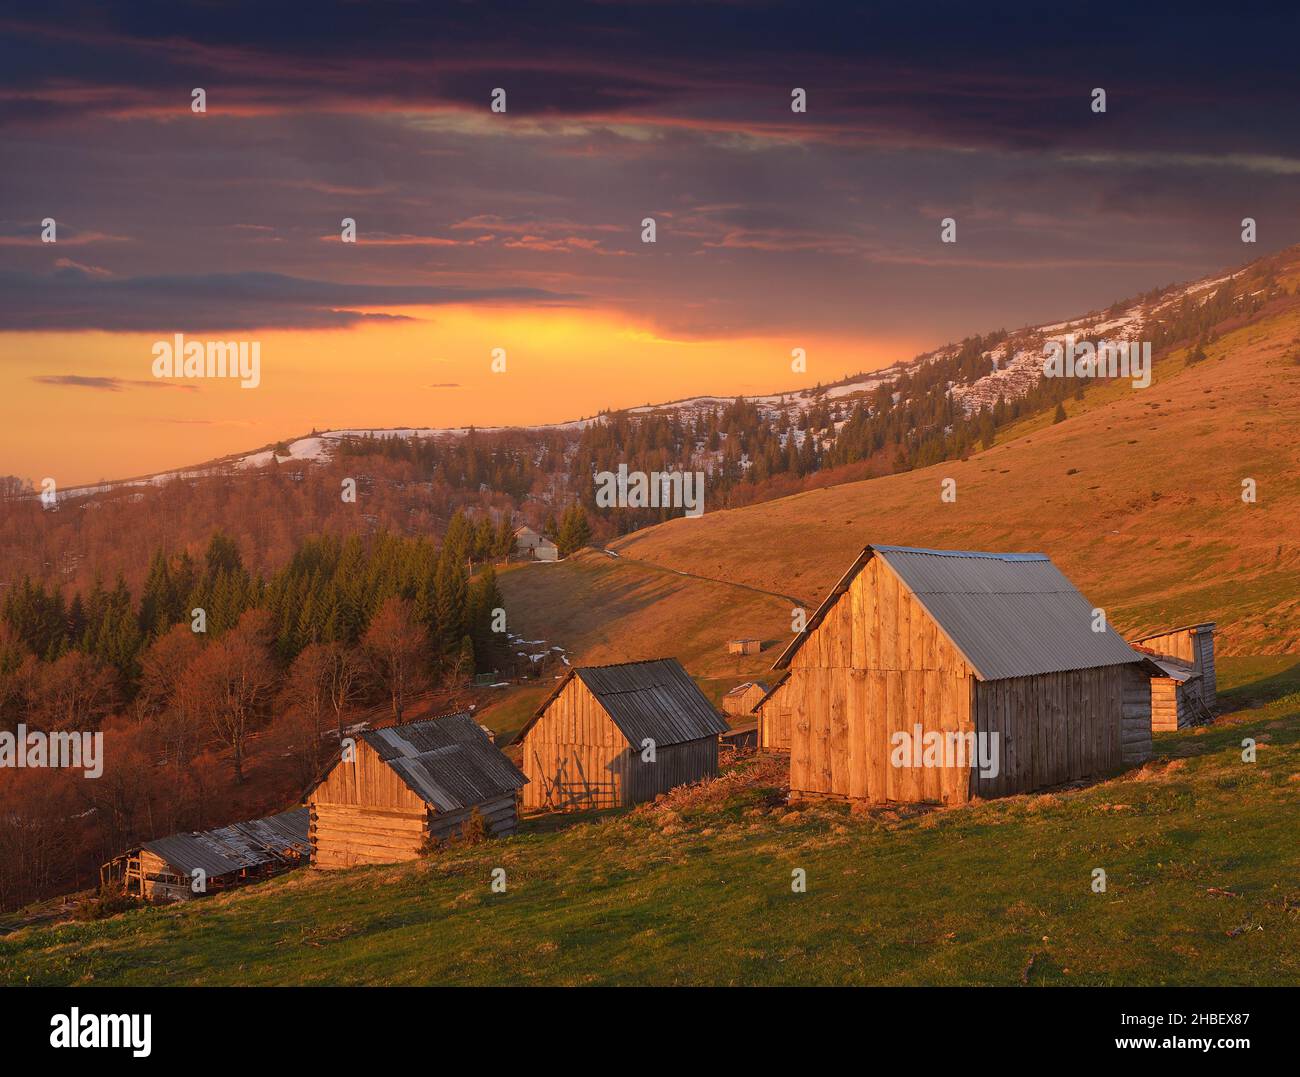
column 1137, row 496
column 1198, row 847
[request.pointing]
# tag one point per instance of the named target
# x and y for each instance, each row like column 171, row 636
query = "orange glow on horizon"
column 433, row 371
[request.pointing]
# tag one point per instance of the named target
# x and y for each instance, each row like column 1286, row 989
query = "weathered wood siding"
column 1192, row 648
column 741, row 705
column 576, row 758
column 570, row 755
column 1168, row 705
column 876, row 665
column 1053, row 727
column 1135, row 729
column 363, row 813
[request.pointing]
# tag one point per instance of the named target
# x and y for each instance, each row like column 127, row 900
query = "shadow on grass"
column 1257, row 693
column 556, row 821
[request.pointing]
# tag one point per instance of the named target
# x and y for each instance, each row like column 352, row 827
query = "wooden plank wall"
column 876, row 665
column 363, row 813
column 674, row 765
column 1209, row 682
column 576, row 758
column 1053, row 727
column 570, row 755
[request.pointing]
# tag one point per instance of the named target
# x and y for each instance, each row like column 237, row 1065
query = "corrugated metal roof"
column 1009, row 614
column 448, row 762
column 655, row 699
column 1175, row 670
column 233, row 848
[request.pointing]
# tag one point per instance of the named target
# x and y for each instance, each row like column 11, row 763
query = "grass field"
column 1199, row 850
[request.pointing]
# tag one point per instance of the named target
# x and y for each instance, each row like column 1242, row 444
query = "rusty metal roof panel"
column 654, row 700
column 448, row 762
column 233, row 848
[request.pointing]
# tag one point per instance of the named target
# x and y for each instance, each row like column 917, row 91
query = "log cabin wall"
column 1135, row 727
column 1167, row 711
column 571, row 754
column 876, row 665
column 500, row 817
column 363, row 813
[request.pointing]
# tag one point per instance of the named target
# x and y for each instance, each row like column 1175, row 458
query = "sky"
column 522, row 229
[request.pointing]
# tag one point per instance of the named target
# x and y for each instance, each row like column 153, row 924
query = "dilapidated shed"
column 403, row 786
column 617, row 735
column 188, row 865
column 992, row 656
column 1185, row 691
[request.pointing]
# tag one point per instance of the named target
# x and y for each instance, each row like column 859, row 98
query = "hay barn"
column 229, row 856
column 407, row 785
column 954, row 643
column 742, row 699
column 744, row 646
column 1185, row 690
column 582, row 748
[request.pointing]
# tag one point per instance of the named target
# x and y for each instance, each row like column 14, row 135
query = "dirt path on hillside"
column 707, row 579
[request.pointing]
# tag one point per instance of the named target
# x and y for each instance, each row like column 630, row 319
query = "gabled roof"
column 236, row 847
column 741, row 689
column 1008, row 614
column 655, row 699
column 447, row 762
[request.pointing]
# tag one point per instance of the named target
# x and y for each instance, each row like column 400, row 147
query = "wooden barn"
column 407, row 785
column 583, row 746
column 744, row 646
column 166, row 869
column 742, row 699
column 1184, row 691
column 929, row 648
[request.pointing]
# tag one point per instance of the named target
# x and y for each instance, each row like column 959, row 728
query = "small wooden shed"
column 406, row 785
column 744, row 646
column 585, row 746
column 189, row 865
column 1191, row 648
column 969, row 650
column 742, row 699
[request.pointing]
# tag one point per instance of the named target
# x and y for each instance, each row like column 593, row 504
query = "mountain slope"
column 1137, row 496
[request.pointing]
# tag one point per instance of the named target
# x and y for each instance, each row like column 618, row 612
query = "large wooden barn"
column 170, row 868
column 1185, row 690
column 584, row 746
column 954, row 643
column 406, row 785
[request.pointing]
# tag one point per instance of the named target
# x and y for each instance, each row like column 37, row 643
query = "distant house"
column 744, row 646
column 742, row 699
column 407, row 784
column 586, row 745
column 530, row 543
column 966, row 649
column 1185, row 690
column 189, row 865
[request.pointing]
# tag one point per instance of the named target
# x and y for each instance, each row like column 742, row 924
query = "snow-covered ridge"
column 1015, row 366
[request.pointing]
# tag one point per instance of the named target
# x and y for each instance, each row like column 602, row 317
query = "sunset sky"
column 522, row 230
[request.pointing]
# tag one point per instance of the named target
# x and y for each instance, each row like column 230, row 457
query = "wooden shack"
column 1188, row 691
column 189, row 865
column 744, row 646
column 401, row 787
column 587, row 745
column 962, row 649
column 741, row 700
